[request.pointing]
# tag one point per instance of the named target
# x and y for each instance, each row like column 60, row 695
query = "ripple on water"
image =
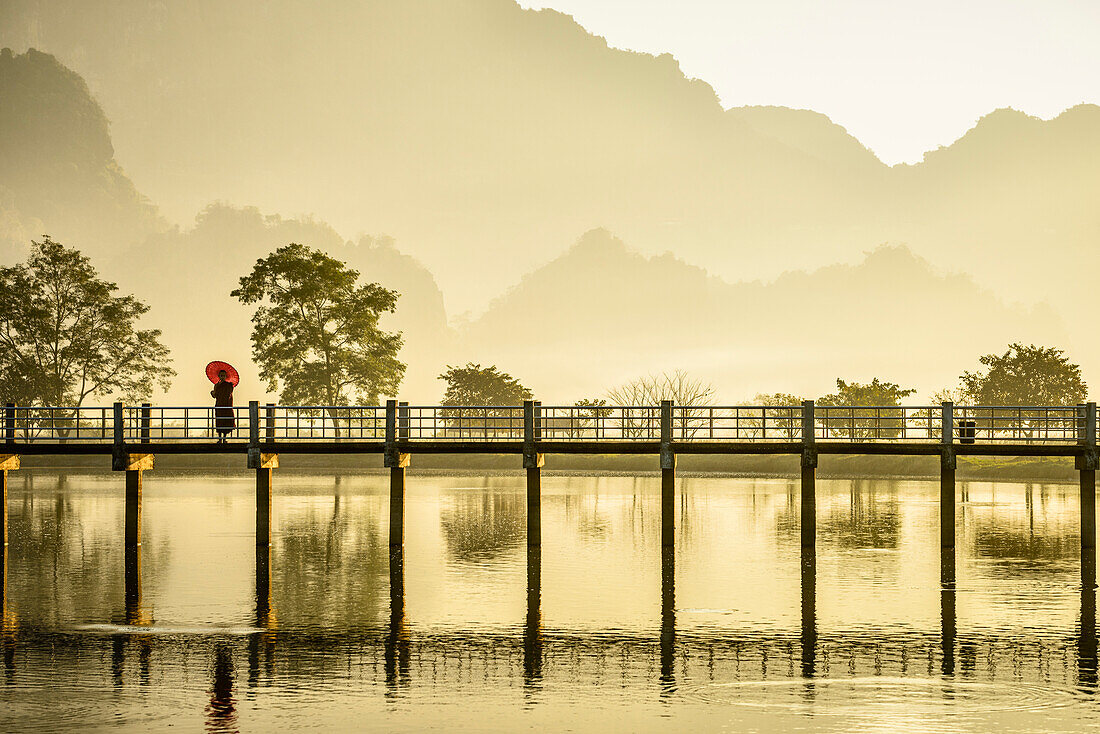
column 882, row 695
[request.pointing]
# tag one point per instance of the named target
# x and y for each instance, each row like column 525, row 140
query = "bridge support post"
column 668, row 478
column 948, row 463
column 8, row 462
column 1087, row 462
column 808, row 516
column 533, row 462
column 264, row 463
column 397, row 462
column 134, row 465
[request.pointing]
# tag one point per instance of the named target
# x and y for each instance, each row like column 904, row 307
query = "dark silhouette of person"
column 224, row 420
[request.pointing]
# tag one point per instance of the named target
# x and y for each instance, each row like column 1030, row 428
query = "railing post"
column 533, row 462
column 668, row 478
column 146, row 416
column 397, row 462
column 402, row 421
column 269, row 423
column 948, row 464
column 1087, row 461
column 809, row 477
column 9, row 423
column 118, row 447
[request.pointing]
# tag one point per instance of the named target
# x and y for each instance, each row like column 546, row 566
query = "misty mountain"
column 57, row 163
column 186, row 277
column 483, row 137
column 601, row 314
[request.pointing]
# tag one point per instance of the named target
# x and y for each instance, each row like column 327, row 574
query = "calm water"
column 600, row 632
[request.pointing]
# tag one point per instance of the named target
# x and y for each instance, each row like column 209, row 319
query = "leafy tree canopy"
column 65, row 336
column 872, row 393
column 777, row 399
column 1025, row 375
column 477, row 385
column 315, row 335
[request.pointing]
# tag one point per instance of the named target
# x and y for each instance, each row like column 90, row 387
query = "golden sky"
column 902, row 76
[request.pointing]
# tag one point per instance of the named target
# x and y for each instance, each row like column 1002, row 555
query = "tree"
column 1024, row 376
column 589, row 412
column 315, row 335
column 863, row 410
column 65, row 336
column 692, row 394
column 481, row 387
column 1028, row 375
column 779, row 423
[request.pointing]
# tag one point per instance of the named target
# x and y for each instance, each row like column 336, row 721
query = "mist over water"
column 599, row 630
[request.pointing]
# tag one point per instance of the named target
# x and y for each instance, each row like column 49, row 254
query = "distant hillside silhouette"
column 57, row 167
column 601, row 314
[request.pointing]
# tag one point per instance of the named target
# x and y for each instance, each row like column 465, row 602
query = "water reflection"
column 221, row 713
column 668, row 619
column 1086, row 635
column 808, row 636
column 397, row 638
column 737, row 603
column 948, row 621
column 532, row 628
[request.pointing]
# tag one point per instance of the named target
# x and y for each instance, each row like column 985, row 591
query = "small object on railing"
column 967, row 430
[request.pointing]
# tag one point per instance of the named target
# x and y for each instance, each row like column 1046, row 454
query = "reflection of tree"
column 480, row 525
column 1018, row 544
column 331, row 573
column 870, row 521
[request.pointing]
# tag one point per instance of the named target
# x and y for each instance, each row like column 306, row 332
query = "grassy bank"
column 1008, row 469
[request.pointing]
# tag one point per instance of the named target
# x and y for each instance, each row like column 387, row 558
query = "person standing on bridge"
column 227, row 378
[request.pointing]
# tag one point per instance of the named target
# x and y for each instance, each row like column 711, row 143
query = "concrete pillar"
column 948, row 464
column 133, row 508
column 1087, row 463
column 533, row 462
column 397, row 462
column 668, row 478
column 808, row 515
column 263, row 506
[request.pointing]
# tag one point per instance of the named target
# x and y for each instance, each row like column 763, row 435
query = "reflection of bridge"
column 133, row 435
column 397, row 655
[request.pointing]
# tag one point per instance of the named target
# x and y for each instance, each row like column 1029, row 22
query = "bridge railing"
column 58, row 424
column 599, row 422
column 484, row 423
column 602, row 423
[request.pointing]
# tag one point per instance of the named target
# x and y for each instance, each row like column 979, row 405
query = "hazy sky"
column 904, row 77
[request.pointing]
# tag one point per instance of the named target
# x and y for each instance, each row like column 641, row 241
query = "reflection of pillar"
column 222, row 711
column 668, row 617
column 532, row 630
column 808, row 570
column 948, row 625
column 1086, row 642
column 1087, row 462
column 397, row 643
column 261, row 641
column 7, row 622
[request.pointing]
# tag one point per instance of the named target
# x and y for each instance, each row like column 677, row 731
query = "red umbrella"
column 217, row 366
